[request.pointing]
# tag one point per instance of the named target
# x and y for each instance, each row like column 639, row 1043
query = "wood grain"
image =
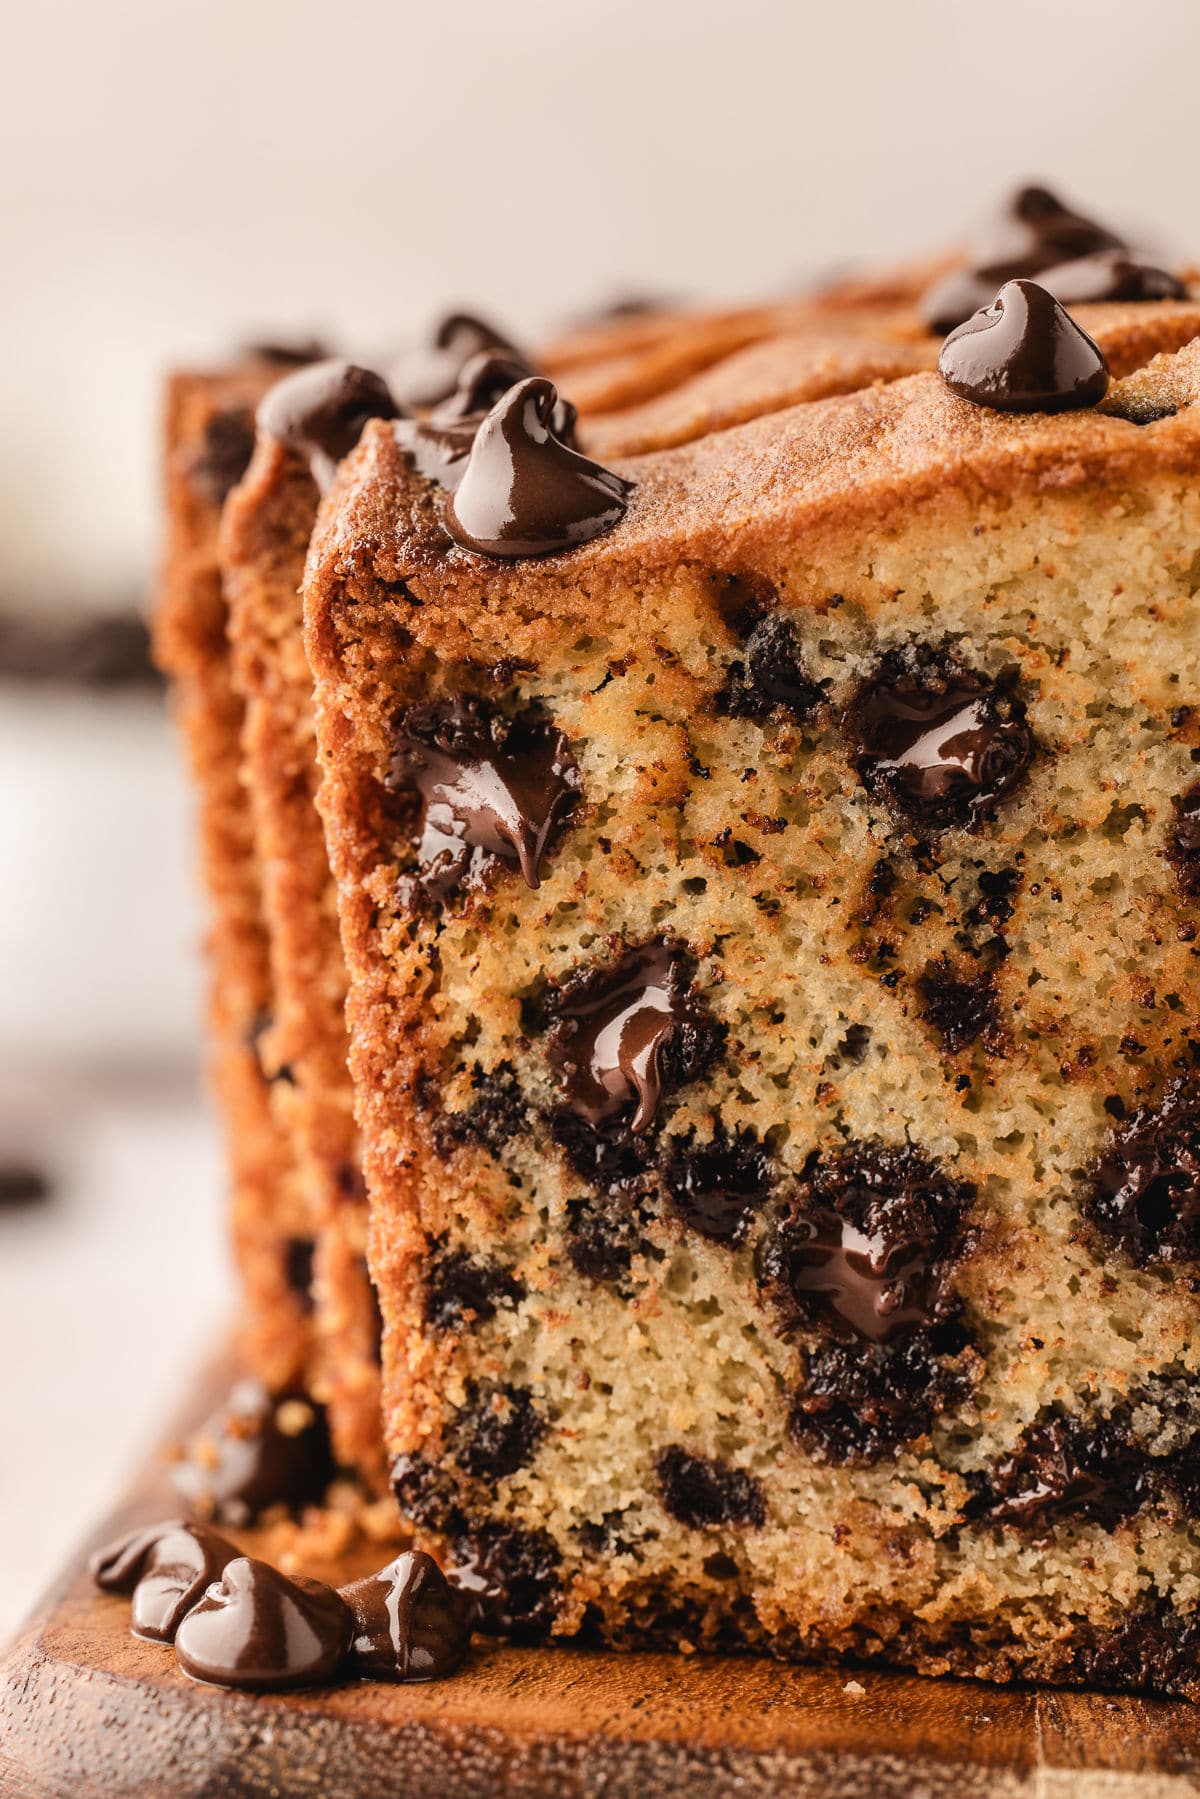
column 86, row 1709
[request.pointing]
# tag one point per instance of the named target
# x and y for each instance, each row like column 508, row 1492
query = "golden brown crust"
column 821, row 472
column 205, row 416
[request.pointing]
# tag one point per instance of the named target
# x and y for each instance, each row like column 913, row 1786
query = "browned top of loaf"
column 740, row 501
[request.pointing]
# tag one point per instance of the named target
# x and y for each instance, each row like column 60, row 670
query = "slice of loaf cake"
column 209, row 437
column 773, row 1000
column 264, row 538
column 306, row 422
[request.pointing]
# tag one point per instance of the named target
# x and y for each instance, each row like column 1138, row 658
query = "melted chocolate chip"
column 438, row 446
column 409, row 1623
column 298, row 1254
column 255, row 1628
column 623, row 1037
column 940, row 742
column 700, row 1492
column 493, row 790
column 1183, row 842
column 1109, row 275
column 290, row 355
column 524, row 491
column 1065, row 1469
column 97, row 653
column 21, row 1184
column 1034, row 224
column 497, row 1430
column 319, row 413
column 1143, row 1194
column 429, row 375
column 1032, row 232
column 224, row 455
column 718, row 1187
column 166, row 1568
column 962, row 1009
column 1024, row 353
column 462, row 1288
column 495, row 1116
column 860, row 1403
column 608, row 1155
column 864, row 1246
column 511, row 1576
column 770, row 677
column 258, row 1450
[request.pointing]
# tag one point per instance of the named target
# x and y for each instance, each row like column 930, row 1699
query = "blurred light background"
column 182, row 177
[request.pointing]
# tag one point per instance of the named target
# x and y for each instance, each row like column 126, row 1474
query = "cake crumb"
column 855, row 1689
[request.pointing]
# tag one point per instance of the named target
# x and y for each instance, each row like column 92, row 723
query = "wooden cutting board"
column 86, row 1709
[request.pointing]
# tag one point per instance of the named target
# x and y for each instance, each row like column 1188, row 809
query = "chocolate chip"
column 1183, row 842
column 496, row 1115
column 940, row 742
column 428, row 375
column 290, row 355
column 256, row 1629
column 997, row 892
column 463, row 1288
column 771, row 677
column 512, row 1578
column 699, row 1491
column 319, row 413
column 21, row 1184
column 258, row 1450
column 1143, row 1193
column 864, row 1246
column 962, row 1009
column 439, row 445
column 603, row 1235
column 1154, row 1650
column 860, row 1403
column 1065, row 1469
column 224, row 454
column 718, row 1187
column 1109, row 275
column 608, row 1156
column 166, row 1568
column 1032, row 231
column 493, row 791
column 1024, row 353
column 100, row 653
column 525, row 492
column 425, row 1493
column 497, row 1430
column 624, row 1036
column 298, row 1254
column 409, row 1622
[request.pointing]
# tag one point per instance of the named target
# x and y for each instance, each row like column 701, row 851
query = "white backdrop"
column 178, row 172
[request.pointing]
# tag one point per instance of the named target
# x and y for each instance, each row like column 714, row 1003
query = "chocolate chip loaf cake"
column 767, row 873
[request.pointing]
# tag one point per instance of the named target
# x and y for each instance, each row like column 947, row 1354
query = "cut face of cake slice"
column 771, row 933
column 307, row 422
column 209, row 440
